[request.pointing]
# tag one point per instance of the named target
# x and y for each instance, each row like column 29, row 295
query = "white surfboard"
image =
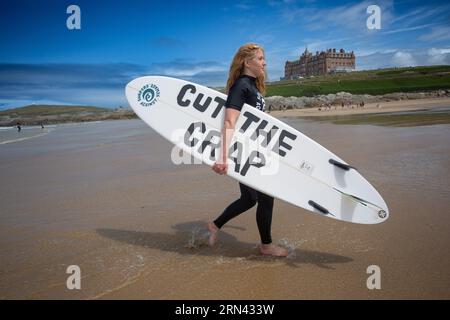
column 265, row 153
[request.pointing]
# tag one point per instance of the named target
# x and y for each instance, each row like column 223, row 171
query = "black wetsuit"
column 244, row 91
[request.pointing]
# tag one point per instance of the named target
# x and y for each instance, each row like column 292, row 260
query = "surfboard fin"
column 380, row 211
column 360, row 200
column 317, row 206
column 341, row 165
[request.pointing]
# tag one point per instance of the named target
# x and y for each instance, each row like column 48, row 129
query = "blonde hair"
column 245, row 52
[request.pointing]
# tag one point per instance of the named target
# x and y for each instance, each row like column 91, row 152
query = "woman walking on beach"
column 245, row 85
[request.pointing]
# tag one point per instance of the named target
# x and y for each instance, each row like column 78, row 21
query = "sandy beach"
column 106, row 197
column 369, row 108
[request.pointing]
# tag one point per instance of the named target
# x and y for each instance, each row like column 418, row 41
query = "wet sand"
column 369, row 108
column 107, row 198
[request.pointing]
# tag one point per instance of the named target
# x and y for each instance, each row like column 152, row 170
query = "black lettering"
column 182, row 93
column 236, row 147
column 282, row 143
column 207, row 142
column 198, row 105
column 261, row 126
column 220, row 105
column 250, row 118
column 251, row 161
column 266, row 134
column 195, row 125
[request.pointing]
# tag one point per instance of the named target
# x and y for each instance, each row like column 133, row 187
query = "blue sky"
column 42, row 61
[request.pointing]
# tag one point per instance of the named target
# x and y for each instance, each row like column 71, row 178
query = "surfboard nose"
column 135, row 84
column 383, row 210
column 139, row 89
column 384, row 213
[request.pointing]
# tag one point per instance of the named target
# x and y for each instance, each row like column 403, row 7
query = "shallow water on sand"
column 107, row 198
column 12, row 134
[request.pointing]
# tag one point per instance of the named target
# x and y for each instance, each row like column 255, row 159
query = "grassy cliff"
column 48, row 114
column 373, row 82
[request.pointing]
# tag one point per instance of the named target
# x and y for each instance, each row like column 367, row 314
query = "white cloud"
column 439, row 56
column 409, row 29
column 263, row 39
column 363, row 53
column 274, row 3
column 437, row 34
column 182, row 68
column 409, row 14
column 348, row 17
column 422, row 14
column 189, row 72
column 243, row 6
column 403, row 59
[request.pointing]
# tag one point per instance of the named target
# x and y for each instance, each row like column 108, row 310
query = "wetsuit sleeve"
column 237, row 96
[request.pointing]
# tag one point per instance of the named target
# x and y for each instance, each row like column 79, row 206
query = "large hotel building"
column 320, row 63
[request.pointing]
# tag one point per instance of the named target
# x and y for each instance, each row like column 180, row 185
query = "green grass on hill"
column 399, row 119
column 376, row 82
column 50, row 114
column 46, row 110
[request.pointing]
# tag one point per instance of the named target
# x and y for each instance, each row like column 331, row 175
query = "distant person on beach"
column 19, row 127
column 245, row 85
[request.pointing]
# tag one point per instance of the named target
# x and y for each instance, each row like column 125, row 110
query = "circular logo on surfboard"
column 382, row 214
column 148, row 95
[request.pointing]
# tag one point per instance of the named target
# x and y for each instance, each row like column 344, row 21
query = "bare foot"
column 213, row 230
column 273, row 250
